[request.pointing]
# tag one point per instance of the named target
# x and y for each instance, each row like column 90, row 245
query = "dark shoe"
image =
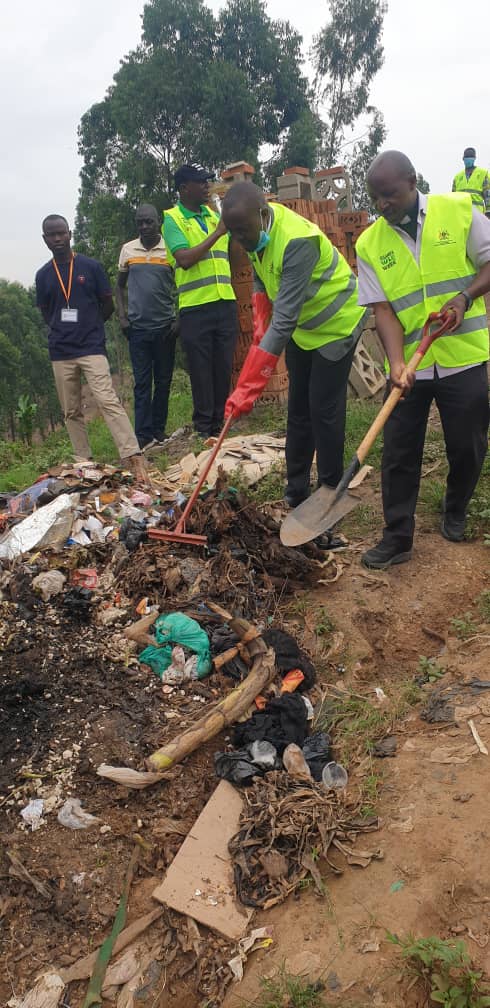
column 453, row 528
column 294, row 502
column 385, row 555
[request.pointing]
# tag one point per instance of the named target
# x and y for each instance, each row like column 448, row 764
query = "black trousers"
column 462, row 401
column 208, row 335
column 316, row 418
column 152, row 358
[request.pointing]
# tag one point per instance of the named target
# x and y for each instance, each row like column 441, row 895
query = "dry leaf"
column 402, row 827
column 370, row 946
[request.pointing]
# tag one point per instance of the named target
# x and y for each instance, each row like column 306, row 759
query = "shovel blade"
column 315, row 515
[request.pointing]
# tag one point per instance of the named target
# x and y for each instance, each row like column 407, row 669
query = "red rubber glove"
column 262, row 313
column 256, row 371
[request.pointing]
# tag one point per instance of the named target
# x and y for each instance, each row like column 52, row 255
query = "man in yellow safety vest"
column 420, row 251
column 474, row 181
column 197, row 247
column 305, row 302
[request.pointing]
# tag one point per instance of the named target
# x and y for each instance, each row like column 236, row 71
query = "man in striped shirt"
column 149, row 324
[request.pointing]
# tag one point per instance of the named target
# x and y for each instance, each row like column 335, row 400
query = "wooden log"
column 224, row 713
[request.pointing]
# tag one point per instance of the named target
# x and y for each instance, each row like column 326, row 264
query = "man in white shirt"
column 460, row 391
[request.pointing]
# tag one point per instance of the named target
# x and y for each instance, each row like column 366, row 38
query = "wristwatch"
column 468, row 299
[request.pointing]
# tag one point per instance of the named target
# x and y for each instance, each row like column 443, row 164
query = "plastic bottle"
column 334, row 776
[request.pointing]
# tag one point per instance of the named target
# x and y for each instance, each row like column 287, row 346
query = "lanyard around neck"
column 66, row 292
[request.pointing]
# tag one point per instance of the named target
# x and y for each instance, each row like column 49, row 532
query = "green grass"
column 287, row 991
column 484, row 605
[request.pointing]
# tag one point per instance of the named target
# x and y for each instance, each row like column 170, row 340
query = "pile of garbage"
column 79, row 685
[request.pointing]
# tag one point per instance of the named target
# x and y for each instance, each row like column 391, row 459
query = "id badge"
column 69, row 314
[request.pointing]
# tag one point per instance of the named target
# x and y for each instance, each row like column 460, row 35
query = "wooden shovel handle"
column 428, row 337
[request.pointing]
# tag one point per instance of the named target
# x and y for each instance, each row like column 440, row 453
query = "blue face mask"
column 469, row 162
column 264, row 238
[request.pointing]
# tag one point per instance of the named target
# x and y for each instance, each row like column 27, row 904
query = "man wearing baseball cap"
column 474, row 181
column 197, row 246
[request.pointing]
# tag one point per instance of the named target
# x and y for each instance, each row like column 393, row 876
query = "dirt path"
column 435, row 869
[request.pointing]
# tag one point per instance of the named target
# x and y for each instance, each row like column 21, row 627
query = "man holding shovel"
column 421, row 251
column 305, row 302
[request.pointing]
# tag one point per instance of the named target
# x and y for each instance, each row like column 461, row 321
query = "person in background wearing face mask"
column 197, row 246
column 305, row 301
column 474, row 181
column 426, row 254
column 149, row 324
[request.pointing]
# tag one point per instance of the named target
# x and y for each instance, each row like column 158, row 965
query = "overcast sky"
column 57, row 59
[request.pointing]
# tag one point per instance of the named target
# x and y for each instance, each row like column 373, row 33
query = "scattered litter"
column 49, row 583
column 170, row 667
column 370, row 946
column 402, row 827
column 240, row 766
column 334, row 775
column 84, row 577
column 317, row 753
column 444, row 699
column 45, row 994
column 481, row 745
column 396, row 886
column 295, row 762
column 385, row 747
column 203, row 862
column 359, row 478
column 282, row 721
column 290, row 817
column 259, row 938
column 446, row 755
column 72, row 815
column 77, row 603
column 49, row 526
column 39, row 493
column 32, row 813
column 380, row 694
column 132, row 533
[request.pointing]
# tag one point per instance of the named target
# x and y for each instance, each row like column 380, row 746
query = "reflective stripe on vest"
column 473, row 186
column 210, row 278
column 414, row 290
column 330, row 311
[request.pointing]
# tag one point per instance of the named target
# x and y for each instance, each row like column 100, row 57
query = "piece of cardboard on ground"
column 200, row 881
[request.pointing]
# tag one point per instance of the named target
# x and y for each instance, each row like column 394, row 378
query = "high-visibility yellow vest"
column 473, row 185
column 330, row 311
column 210, row 278
column 414, row 290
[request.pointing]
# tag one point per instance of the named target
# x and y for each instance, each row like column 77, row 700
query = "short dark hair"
column 53, row 217
column 469, row 152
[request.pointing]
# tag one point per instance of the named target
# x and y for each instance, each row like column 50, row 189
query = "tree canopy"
column 24, row 362
column 221, row 88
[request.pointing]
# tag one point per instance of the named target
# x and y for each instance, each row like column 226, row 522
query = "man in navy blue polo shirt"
column 75, row 299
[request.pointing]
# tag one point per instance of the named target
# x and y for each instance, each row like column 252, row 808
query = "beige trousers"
column 68, row 379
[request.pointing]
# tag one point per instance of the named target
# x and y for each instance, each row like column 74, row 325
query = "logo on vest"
column 387, row 260
column 444, row 237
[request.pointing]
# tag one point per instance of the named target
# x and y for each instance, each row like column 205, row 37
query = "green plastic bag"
column 176, row 628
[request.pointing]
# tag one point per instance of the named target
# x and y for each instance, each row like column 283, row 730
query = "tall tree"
column 347, row 54
column 195, row 88
column 24, row 361
column 422, row 183
column 363, row 152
